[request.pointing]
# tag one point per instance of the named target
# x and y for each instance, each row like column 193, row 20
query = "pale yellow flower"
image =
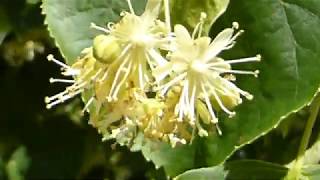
column 195, row 66
column 85, row 71
column 140, row 39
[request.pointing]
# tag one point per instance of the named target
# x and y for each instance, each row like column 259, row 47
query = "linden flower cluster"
column 139, row 76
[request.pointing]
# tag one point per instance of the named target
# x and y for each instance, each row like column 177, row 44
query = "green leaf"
column 288, row 80
column 253, row 169
column 18, row 164
column 69, row 21
column 174, row 160
column 210, row 173
column 188, row 12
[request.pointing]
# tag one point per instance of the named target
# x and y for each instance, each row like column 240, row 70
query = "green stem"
column 295, row 170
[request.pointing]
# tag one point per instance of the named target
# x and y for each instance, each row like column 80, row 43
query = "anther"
column 47, row 99
column 51, row 58
column 232, row 114
column 218, row 129
column 258, row 57
column 203, row 16
column 52, row 80
column 235, row 25
column 256, row 73
column 94, row 26
column 248, row 96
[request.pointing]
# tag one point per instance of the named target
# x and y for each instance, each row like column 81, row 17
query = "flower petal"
column 219, row 44
column 152, row 10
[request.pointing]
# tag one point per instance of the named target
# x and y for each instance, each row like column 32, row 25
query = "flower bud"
column 106, row 48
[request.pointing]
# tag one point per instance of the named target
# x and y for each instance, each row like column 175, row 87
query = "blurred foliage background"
column 36, row 143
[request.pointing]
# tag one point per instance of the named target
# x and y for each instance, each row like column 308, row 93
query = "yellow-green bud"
column 106, row 48
column 203, row 112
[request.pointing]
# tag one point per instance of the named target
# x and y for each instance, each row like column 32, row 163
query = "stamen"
column 235, row 25
column 244, row 93
column 226, row 91
column 221, row 104
column 71, row 72
column 130, row 7
column 201, row 131
column 192, row 103
column 51, row 58
column 218, row 129
column 202, row 19
column 186, row 99
column 94, row 77
column 151, row 65
column 52, row 80
column 63, row 99
column 157, row 57
column 121, row 68
column 209, row 106
column 94, row 26
column 110, row 26
column 57, row 96
column 140, row 72
column 235, row 61
column 122, row 81
column 167, row 14
column 199, row 27
column 105, row 75
column 236, row 35
column 76, row 87
column 182, row 105
column 164, row 88
column 255, row 73
column 87, row 105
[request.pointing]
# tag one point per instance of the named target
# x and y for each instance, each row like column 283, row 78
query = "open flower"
column 139, row 38
column 119, row 60
column 203, row 76
column 125, row 63
column 85, row 72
